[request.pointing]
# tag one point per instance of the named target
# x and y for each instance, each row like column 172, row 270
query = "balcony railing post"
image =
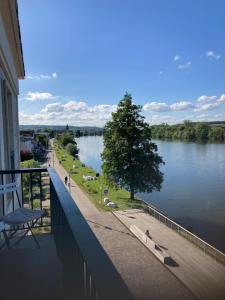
column 40, row 188
column 90, row 287
column 3, row 198
column 22, row 193
column 12, row 194
column 85, row 280
column 30, row 191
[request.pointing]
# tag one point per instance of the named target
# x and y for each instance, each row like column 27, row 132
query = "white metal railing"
column 207, row 248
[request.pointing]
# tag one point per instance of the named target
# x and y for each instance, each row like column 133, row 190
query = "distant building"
column 11, row 69
column 27, row 141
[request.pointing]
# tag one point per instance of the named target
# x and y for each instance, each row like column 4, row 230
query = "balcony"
column 71, row 263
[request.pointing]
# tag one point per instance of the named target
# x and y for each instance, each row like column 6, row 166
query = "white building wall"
column 2, row 148
column 9, row 90
column 16, row 134
column 6, row 59
column 27, row 144
column 9, row 126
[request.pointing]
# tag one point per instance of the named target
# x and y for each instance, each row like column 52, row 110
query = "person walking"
column 148, row 234
column 66, row 180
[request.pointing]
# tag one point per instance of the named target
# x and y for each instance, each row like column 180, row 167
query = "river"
column 193, row 191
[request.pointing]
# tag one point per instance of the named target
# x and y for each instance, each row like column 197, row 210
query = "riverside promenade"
column 145, row 276
column 200, row 272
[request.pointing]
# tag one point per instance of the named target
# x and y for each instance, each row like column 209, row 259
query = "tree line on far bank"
column 190, row 131
column 77, row 132
column 187, row 131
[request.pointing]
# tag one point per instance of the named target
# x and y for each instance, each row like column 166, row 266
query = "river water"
column 193, row 191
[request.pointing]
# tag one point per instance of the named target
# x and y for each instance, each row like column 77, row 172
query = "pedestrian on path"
column 66, row 180
column 148, row 234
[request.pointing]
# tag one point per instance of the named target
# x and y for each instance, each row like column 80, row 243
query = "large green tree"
column 129, row 157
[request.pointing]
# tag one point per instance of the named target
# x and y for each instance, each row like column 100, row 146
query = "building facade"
column 27, row 141
column 11, row 70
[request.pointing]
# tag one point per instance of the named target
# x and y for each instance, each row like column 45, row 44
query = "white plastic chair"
column 19, row 217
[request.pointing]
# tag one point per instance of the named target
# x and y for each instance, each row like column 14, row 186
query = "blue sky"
column 82, row 56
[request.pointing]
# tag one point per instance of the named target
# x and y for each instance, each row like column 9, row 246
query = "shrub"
column 71, row 149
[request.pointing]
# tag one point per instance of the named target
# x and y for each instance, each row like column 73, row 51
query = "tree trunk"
column 131, row 193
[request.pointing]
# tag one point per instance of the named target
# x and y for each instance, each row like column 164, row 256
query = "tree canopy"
column 67, row 140
column 66, row 137
column 42, row 139
column 72, row 149
column 130, row 159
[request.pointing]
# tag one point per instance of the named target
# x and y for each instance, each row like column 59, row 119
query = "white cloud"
column 32, row 77
column 211, row 55
column 45, row 76
column 218, row 117
column 176, row 57
column 202, row 117
column 203, row 103
column 75, row 106
column 162, row 107
column 156, row 106
column 159, row 119
column 185, row 66
column 68, row 107
column 160, row 72
column 42, row 76
column 34, row 96
column 206, row 107
column 210, row 106
column 221, row 99
column 204, row 98
column 52, row 107
column 104, row 108
column 182, row 105
column 80, row 113
column 208, row 117
column 72, row 112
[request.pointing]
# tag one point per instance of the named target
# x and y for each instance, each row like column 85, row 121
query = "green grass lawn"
column 94, row 189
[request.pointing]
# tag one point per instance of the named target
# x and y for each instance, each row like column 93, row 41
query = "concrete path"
column 200, row 272
column 144, row 275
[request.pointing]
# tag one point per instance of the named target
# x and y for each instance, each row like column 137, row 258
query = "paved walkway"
column 144, row 275
column 200, row 272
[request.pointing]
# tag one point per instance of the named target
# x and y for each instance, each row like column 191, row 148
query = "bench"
column 161, row 254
